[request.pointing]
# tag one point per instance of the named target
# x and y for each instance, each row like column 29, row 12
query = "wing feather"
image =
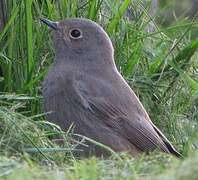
column 138, row 131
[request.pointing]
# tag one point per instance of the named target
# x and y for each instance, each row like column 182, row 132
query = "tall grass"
column 160, row 66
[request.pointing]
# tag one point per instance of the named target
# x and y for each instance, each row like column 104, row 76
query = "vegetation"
column 160, row 66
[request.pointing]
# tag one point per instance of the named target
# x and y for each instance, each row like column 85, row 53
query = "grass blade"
column 115, row 20
column 30, row 62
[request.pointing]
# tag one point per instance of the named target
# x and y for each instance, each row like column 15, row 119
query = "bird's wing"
column 135, row 127
column 136, row 130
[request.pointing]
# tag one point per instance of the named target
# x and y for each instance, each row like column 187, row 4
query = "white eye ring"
column 75, row 33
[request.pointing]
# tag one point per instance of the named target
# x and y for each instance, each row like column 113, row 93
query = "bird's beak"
column 51, row 24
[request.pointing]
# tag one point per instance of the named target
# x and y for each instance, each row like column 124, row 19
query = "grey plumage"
column 84, row 87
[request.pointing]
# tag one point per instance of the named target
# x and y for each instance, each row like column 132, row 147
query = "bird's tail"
column 169, row 146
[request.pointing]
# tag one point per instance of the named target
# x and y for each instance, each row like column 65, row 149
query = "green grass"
column 160, row 66
column 156, row 166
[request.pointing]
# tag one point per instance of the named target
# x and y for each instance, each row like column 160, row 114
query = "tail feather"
column 170, row 147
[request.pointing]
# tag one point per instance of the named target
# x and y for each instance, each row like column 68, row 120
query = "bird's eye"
column 75, row 33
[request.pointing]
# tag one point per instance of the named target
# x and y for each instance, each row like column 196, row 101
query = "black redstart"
column 84, row 88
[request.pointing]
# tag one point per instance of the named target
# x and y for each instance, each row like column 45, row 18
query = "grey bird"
column 84, row 88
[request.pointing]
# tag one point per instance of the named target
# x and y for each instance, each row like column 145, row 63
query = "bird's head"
column 78, row 37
